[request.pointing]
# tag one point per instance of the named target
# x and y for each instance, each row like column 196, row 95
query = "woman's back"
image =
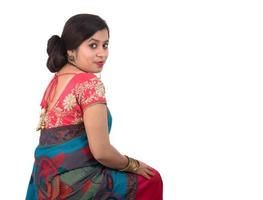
column 68, row 94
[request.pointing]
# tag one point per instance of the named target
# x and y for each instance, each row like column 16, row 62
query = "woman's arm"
column 96, row 125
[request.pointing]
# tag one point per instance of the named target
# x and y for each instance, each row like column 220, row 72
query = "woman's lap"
column 151, row 189
column 146, row 188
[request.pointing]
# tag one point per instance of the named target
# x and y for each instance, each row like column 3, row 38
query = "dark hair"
column 77, row 29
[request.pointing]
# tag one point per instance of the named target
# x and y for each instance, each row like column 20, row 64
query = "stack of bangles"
column 132, row 166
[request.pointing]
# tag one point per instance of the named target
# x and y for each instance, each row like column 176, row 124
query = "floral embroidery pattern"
column 95, row 89
column 69, row 110
column 69, row 102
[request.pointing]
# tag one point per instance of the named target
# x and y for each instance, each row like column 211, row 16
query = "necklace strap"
column 51, row 89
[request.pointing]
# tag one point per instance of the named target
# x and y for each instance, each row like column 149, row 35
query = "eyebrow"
column 98, row 40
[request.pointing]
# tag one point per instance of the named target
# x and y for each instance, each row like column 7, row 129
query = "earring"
column 71, row 58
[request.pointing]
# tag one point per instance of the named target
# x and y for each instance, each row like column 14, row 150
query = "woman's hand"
column 145, row 170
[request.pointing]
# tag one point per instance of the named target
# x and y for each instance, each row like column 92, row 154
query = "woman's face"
column 93, row 52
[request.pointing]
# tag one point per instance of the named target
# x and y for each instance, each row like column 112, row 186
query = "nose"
column 102, row 53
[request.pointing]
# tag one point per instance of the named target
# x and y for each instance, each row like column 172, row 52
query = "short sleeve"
column 90, row 90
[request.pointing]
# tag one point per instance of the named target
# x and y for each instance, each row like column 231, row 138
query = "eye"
column 93, row 45
column 106, row 45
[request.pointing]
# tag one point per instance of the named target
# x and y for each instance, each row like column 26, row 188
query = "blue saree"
column 65, row 168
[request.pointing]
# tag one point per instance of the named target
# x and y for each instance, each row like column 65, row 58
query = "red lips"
column 100, row 64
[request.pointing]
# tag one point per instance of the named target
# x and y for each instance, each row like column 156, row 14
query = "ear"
column 70, row 52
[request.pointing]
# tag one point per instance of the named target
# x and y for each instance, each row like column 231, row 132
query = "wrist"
column 132, row 166
column 125, row 162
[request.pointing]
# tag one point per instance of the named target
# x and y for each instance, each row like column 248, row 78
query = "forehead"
column 100, row 36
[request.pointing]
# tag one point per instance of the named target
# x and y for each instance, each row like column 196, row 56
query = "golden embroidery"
column 95, row 88
column 60, row 114
column 69, row 102
column 77, row 120
column 83, row 94
column 41, row 123
column 100, row 90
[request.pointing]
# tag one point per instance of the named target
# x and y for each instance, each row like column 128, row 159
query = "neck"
column 74, row 65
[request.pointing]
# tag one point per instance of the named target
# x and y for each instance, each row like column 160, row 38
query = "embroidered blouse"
column 83, row 90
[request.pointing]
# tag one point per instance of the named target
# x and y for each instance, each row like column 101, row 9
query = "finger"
column 150, row 168
column 149, row 172
column 146, row 176
column 143, row 173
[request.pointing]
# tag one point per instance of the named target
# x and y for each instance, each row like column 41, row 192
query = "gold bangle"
column 132, row 166
column 127, row 166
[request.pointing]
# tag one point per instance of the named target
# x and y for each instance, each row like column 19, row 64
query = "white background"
column 183, row 83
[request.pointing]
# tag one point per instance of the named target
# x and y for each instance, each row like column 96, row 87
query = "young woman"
column 75, row 159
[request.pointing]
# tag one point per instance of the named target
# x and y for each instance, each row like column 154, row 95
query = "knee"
column 157, row 177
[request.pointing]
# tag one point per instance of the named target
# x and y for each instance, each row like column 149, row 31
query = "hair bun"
column 57, row 53
column 55, row 42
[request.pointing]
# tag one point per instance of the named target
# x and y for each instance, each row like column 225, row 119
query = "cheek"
column 87, row 56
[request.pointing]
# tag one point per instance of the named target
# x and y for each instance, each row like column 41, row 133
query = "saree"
column 65, row 169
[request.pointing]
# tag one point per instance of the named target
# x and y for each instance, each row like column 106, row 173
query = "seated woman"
column 75, row 159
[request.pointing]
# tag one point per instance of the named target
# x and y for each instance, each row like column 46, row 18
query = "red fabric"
column 150, row 189
column 81, row 91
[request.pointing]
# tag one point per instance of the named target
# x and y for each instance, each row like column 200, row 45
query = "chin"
column 96, row 71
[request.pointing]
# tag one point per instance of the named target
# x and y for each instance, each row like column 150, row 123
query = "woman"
column 74, row 159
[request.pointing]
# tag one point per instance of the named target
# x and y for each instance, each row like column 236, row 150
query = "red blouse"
column 83, row 90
